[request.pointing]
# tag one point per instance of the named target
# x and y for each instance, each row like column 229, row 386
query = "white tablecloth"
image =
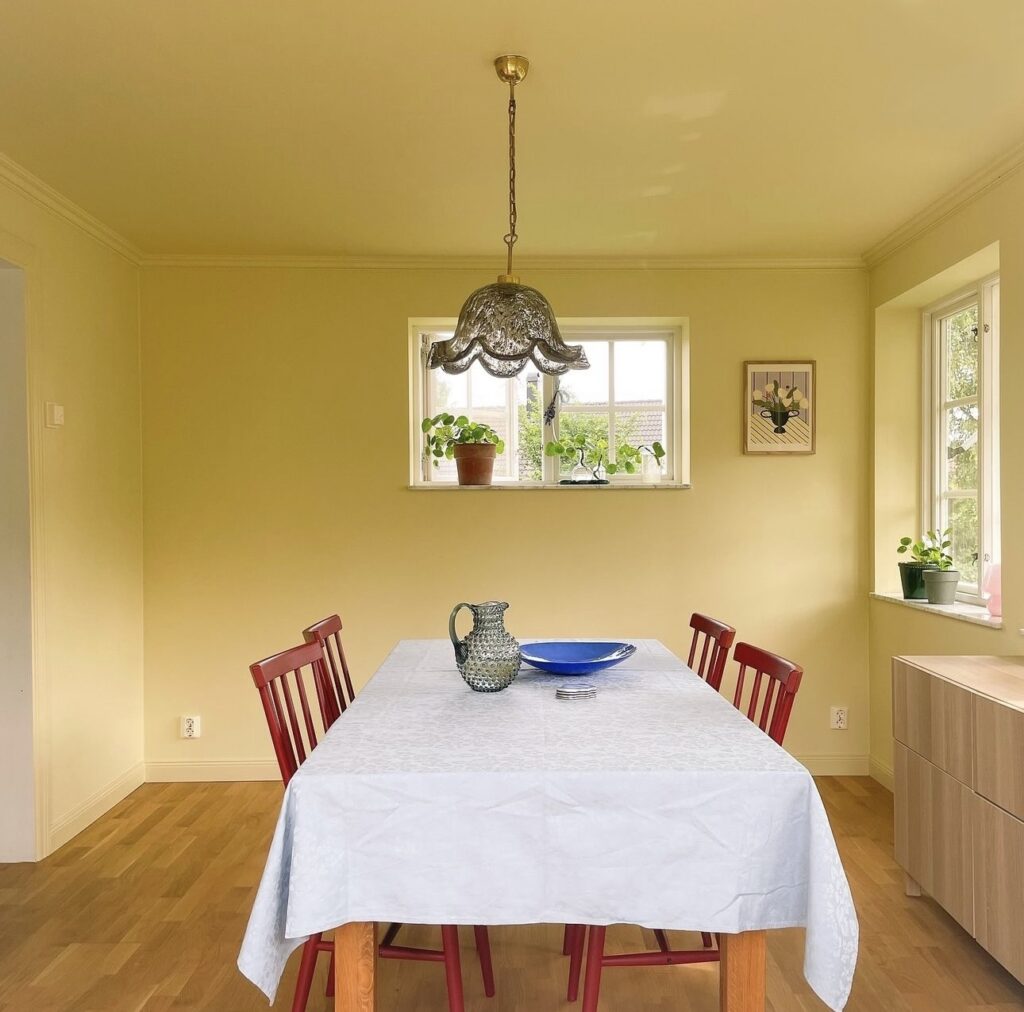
column 656, row 804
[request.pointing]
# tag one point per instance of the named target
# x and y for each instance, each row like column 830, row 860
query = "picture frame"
column 775, row 419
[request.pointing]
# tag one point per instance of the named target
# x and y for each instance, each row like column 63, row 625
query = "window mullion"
column 611, row 401
column 426, row 468
column 512, row 427
column 939, row 516
column 548, row 465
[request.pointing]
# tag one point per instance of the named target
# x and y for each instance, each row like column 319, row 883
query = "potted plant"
column 941, row 583
column 644, row 458
column 472, row 445
column 589, row 455
column 929, row 554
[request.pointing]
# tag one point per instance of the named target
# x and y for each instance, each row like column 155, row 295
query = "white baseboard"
column 84, row 815
column 835, row 765
column 187, row 771
column 882, row 773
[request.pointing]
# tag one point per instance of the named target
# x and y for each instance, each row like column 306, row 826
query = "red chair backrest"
column 717, row 638
column 291, row 720
column 783, row 679
column 327, row 633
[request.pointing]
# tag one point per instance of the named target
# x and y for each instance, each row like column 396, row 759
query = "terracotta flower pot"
column 475, row 462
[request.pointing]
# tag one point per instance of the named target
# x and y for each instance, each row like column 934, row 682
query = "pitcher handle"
column 460, row 645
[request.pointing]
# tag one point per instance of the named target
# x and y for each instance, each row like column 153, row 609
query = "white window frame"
column 935, row 404
column 673, row 330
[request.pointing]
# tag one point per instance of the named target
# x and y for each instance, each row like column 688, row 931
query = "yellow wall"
column 82, row 335
column 995, row 217
column 275, row 428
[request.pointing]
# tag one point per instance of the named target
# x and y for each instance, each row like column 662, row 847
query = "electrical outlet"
column 190, row 727
column 838, row 718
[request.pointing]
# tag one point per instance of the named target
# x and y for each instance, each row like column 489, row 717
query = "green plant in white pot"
column 941, row 580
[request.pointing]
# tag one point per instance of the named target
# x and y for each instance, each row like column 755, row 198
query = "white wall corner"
column 882, row 773
column 84, row 815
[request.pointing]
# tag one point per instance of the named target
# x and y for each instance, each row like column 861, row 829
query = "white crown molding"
column 496, row 264
column 948, row 204
column 20, row 179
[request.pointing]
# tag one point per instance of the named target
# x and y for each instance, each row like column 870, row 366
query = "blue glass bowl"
column 564, row 658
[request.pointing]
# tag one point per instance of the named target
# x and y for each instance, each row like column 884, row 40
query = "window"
column 633, row 393
column 961, row 479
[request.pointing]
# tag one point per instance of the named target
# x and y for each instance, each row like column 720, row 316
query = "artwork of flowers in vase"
column 779, row 407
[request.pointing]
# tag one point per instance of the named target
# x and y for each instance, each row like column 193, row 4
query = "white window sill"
column 961, row 612
column 512, row 486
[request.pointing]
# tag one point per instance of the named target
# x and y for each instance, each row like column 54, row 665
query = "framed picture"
column 779, row 407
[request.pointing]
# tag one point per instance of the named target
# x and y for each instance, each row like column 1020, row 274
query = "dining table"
column 655, row 803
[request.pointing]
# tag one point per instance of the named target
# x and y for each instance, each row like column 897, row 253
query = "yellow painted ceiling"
column 647, row 127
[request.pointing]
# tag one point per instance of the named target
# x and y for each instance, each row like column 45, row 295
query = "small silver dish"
column 576, row 691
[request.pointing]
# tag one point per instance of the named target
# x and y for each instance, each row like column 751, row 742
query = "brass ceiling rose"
column 506, row 324
column 512, row 69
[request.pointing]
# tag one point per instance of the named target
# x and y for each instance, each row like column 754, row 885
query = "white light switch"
column 54, row 415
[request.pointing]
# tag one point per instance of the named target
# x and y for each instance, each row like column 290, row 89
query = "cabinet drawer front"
column 933, row 717
column 999, row 884
column 933, row 833
column 999, row 754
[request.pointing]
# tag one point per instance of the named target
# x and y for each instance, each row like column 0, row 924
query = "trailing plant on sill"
column 630, row 458
column 590, row 454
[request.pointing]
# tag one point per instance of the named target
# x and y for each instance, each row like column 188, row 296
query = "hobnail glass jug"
column 488, row 658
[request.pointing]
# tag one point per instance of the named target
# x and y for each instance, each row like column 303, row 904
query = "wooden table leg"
column 355, row 967
column 742, row 984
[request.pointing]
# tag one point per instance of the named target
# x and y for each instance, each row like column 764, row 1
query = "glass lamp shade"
column 506, row 325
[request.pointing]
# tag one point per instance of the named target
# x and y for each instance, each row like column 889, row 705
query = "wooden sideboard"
column 959, row 770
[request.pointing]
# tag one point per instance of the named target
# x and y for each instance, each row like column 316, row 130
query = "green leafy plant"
column 931, row 550
column 583, row 448
column 446, row 431
column 630, row 458
column 592, row 452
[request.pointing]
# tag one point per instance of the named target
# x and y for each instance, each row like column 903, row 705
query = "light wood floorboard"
column 144, row 912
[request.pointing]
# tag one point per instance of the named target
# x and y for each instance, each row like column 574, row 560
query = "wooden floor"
column 145, row 911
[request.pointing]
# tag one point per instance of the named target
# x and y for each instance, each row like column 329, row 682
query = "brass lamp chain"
column 511, row 237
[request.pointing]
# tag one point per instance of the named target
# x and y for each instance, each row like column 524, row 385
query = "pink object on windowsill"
column 994, row 588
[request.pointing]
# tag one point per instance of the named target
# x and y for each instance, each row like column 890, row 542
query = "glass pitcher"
column 488, row 658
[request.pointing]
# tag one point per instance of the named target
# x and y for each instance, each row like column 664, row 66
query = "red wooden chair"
column 780, row 680
column 327, row 632
column 714, row 649
column 783, row 680
column 294, row 728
